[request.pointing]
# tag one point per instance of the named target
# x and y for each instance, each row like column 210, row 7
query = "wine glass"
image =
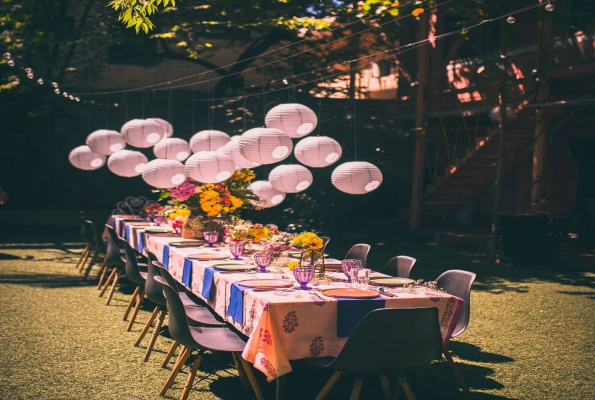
column 303, row 275
column 236, row 249
column 263, row 260
column 348, row 264
column 158, row 219
column 211, row 237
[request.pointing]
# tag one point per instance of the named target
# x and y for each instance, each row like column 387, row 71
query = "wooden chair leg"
column 111, row 291
column 139, row 302
column 253, row 382
column 328, row 386
column 82, row 257
column 101, row 275
column 241, row 371
column 184, row 354
column 191, row 377
column 155, row 335
column 357, row 388
column 406, row 388
column 147, row 325
column 131, row 303
column 455, row 370
column 103, row 266
column 385, row 387
column 170, row 354
column 107, row 282
column 93, row 259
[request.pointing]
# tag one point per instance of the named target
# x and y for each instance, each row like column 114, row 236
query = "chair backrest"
column 392, row 339
column 98, row 244
column 164, row 273
column 131, row 205
column 399, row 266
column 113, row 246
column 178, row 321
column 85, row 231
column 153, row 289
column 458, row 283
column 325, row 240
column 131, row 266
column 359, row 252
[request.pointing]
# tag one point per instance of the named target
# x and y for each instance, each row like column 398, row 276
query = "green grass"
column 530, row 337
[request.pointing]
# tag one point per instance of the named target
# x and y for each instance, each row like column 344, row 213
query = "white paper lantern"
column 142, row 132
column 235, row 138
column 290, row 178
column 172, row 149
column 232, row 150
column 209, row 167
column 265, row 145
column 127, row 163
column 164, row 174
column 106, row 142
column 83, row 157
column 296, row 120
column 318, row 151
column 495, row 114
column 208, row 140
column 356, row 177
column 267, row 194
column 168, row 130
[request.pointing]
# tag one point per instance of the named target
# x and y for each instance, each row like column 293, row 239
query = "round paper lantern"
column 356, row 177
column 106, row 142
column 265, row 145
column 168, row 130
column 232, row 150
column 267, row 194
column 296, row 120
column 495, row 113
column 172, row 149
column 127, row 163
column 208, row 141
column 83, row 157
column 235, row 138
column 209, row 167
column 142, row 132
column 290, row 178
column 318, row 151
column 164, row 174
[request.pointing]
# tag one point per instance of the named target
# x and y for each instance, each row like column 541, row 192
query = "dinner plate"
column 352, row 293
column 133, row 220
column 266, row 283
column 157, row 230
column 208, row 256
column 233, row 266
column 390, row 281
column 187, row 243
column 298, row 254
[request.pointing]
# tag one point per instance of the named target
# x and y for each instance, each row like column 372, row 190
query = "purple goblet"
column 263, row 260
column 236, row 249
column 158, row 220
column 303, row 275
column 211, row 237
column 349, row 263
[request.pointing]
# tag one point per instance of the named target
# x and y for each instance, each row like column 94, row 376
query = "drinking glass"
column 360, row 277
column 348, row 264
column 236, row 249
column 211, row 237
column 158, row 220
column 263, row 260
column 303, row 275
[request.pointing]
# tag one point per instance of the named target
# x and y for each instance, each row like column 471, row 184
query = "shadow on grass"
column 51, row 281
column 471, row 352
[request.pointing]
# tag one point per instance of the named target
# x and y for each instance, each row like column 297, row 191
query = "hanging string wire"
column 192, row 105
column 106, row 111
column 89, row 116
column 245, row 103
column 359, row 20
column 125, row 102
column 209, row 106
column 143, row 105
column 264, row 99
column 319, row 113
column 355, row 128
column 286, row 82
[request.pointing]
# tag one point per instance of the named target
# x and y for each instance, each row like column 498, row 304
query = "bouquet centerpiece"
column 311, row 246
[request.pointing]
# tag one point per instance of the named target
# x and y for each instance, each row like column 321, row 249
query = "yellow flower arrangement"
column 258, row 233
column 293, row 264
column 307, row 241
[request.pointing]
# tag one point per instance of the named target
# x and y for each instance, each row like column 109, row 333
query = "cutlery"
column 316, row 294
column 385, row 292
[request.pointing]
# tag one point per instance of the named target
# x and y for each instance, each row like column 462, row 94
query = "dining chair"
column 86, row 238
column 201, row 339
column 399, row 266
column 379, row 346
column 98, row 247
column 359, row 252
column 458, row 283
column 115, row 255
column 325, row 240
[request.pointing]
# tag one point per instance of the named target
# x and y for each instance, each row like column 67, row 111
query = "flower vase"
column 280, row 260
column 315, row 259
column 194, row 225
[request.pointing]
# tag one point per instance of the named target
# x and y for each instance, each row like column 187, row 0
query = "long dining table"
column 281, row 325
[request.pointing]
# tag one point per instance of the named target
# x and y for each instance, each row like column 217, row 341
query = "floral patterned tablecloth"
column 287, row 325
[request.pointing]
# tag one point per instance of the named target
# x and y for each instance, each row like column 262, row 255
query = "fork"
column 315, row 293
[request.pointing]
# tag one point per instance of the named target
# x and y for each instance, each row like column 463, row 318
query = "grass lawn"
column 531, row 334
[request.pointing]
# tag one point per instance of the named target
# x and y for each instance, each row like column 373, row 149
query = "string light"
column 55, row 84
column 30, row 75
column 511, row 19
column 10, row 63
column 57, row 91
column 65, row 94
column 40, row 81
column 28, row 70
column 550, row 7
column 7, row 56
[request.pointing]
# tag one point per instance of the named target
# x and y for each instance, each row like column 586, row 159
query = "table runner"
column 282, row 325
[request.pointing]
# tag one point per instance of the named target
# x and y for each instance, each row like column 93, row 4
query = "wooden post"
column 542, row 122
column 417, row 181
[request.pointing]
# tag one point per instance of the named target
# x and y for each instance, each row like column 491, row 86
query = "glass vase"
column 314, row 259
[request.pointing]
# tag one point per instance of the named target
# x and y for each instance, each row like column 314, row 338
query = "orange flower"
column 417, row 12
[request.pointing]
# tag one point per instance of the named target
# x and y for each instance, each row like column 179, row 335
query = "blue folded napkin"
column 165, row 260
column 236, row 302
column 351, row 311
column 122, row 226
column 126, row 233
column 113, row 221
column 208, row 282
column 141, row 241
column 187, row 272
